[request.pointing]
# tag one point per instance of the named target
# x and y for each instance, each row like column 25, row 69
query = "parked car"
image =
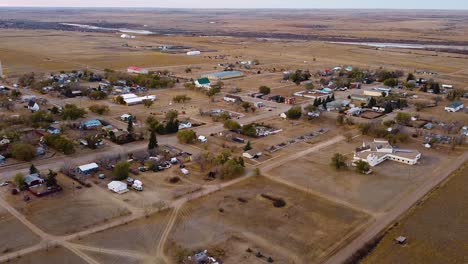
column 102, row 176
column 130, row 181
column 3, row 184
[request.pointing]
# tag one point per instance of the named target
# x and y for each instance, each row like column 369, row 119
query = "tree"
column 388, row 108
column 33, row 169
column 264, row 89
column 420, row 106
column 338, row 161
column 99, row 109
column 231, row 169
column 213, row 91
column 51, row 179
column 72, row 112
column 18, row 180
column 172, row 114
column 309, row 86
column 372, row 102
column 152, row 124
column 119, row 100
column 153, row 141
column 121, row 170
column 187, row 136
column 130, row 125
column 246, row 106
column 437, row 100
column 294, row 112
column 23, row 151
column 362, row 166
column 182, row 98
column 410, row 77
column 391, row 82
column 249, row 130
column 148, row 103
column 248, row 146
column 232, row 125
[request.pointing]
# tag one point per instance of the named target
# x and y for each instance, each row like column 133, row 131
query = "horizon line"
column 236, row 8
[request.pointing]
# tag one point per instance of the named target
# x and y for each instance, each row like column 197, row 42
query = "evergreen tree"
column 248, row 146
column 130, row 125
column 153, row 141
column 33, row 169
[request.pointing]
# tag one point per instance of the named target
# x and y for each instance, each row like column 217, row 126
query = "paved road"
column 385, row 220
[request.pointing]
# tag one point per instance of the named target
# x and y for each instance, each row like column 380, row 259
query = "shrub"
column 23, row 151
column 187, row 136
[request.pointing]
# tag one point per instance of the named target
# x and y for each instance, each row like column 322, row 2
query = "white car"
column 3, row 184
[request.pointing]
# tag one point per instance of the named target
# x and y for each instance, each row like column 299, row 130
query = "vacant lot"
column 141, row 235
column 436, row 229
column 69, row 211
column 301, row 232
column 375, row 192
column 14, row 234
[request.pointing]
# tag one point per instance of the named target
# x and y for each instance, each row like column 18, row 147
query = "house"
column 337, row 105
column 185, row 125
column 33, row 106
column 88, row 168
column 90, row 124
column 232, row 98
column 225, row 75
column 361, row 98
column 117, row 187
column 355, row 111
column 33, row 180
column 455, row 107
column 380, row 150
column 138, row 70
column 202, row 139
column 252, row 154
column 193, row 53
column 203, row 83
column 126, row 117
column 374, row 93
column 290, row 101
column 4, row 141
column 54, row 130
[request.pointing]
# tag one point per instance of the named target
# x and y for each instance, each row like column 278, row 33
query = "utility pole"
column 1, row 70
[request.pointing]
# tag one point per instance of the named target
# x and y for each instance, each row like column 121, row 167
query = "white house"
column 380, row 150
column 185, row 125
column 117, row 187
column 232, row 98
column 202, row 139
column 455, row 107
column 88, row 168
column 252, row 154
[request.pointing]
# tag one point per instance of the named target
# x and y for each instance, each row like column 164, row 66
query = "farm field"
column 435, row 228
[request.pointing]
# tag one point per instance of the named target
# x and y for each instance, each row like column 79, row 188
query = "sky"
column 393, row 4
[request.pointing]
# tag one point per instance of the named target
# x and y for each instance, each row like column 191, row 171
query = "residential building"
column 90, row 124
column 138, row 70
column 203, row 83
column 380, row 150
column 232, row 98
column 33, row 106
column 361, row 98
column 88, row 168
column 33, row 180
column 225, row 75
column 454, row 107
column 117, row 187
column 252, row 154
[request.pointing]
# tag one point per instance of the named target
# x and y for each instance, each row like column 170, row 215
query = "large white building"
column 380, row 150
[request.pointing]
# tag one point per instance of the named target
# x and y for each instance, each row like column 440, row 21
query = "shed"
column 203, row 83
column 88, row 168
column 117, row 187
column 91, row 124
column 252, row 154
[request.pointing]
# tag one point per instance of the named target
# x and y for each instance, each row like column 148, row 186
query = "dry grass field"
column 300, row 232
column 376, row 192
column 72, row 209
column 140, row 236
column 435, row 228
column 14, row 234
